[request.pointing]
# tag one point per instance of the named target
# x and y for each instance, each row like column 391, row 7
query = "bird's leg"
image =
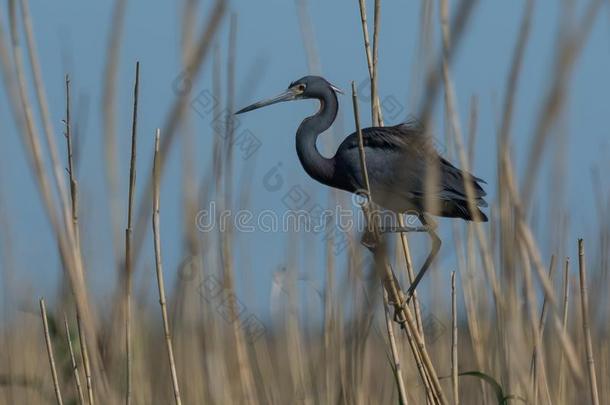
column 436, row 245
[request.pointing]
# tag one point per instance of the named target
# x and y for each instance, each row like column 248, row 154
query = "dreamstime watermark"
column 300, row 220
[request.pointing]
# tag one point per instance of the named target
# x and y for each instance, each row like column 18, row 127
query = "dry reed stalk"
column 43, row 106
column 73, row 182
column 404, row 243
column 454, row 340
column 466, row 262
column 512, row 80
column 584, row 306
column 506, row 216
column 402, row 392
column 533, row 371
column 71, row 258
column 216, row 373
column 370, row 59
column 385, row 272
column 128, row 241
column 423, row 51
column 377, row 119
column 471, row 300
column 564, row 323
column 159, row 267
column 375, row 105
column 79, row 388
column 113, row 53
column 330, row 320
column 217, row 166
column 511, row 184
column 364, row 171
column 473, row 118
column 241, row 352
column 431, row 372
column 425, row 378
column 530, row 295
column 47, row 338
column 189, row 150
column 309, row 42
column 177, row 111
column 186, row 306
column 230, row 120
column 7, row 69
column 86, row 363
column 569, row 51
column 458, row 26
column 365, row 34
column 525, row 236
column 450, row 101
column 370, row 223
column 189, row 18
column 75, row 213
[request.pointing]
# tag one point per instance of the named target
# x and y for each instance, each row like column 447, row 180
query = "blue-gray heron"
column 398, row 160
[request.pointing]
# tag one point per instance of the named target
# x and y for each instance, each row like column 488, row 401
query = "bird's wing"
column 401, row 156
column 409, row 135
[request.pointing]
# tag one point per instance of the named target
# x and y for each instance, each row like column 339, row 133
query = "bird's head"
column 306, row 87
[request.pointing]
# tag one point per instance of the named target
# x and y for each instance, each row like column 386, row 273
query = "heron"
column 398, row 160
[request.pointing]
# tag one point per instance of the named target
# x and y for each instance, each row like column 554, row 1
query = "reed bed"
column 506, row 324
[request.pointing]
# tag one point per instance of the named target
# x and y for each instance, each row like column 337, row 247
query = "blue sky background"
column 72, row 38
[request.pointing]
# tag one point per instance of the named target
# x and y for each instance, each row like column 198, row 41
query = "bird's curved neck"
column 316, row 165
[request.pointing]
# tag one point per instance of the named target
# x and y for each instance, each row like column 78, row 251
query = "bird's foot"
column 399, row 313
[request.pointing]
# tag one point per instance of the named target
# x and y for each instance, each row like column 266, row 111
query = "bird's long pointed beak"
column 287, row 95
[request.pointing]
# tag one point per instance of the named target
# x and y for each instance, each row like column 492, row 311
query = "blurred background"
column 202, row 60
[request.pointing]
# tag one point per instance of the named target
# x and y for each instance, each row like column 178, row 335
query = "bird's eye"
column 301, row 87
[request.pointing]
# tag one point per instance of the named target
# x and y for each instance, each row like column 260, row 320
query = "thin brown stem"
column 86, row 363
column 73, row 182
column 159, row 267
column 384, row 270
column 375, row 106
column 47, row 338
column 402, row 392
column 365, row 174
column 75, row 211
column 564, row 325
column 454, row 341
column 128, row 240
column 182, row 86
column 111, row 68
column 541, row 321
column 584, row 306
column 79, row 388
column 64, row 233
column 365, row 34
